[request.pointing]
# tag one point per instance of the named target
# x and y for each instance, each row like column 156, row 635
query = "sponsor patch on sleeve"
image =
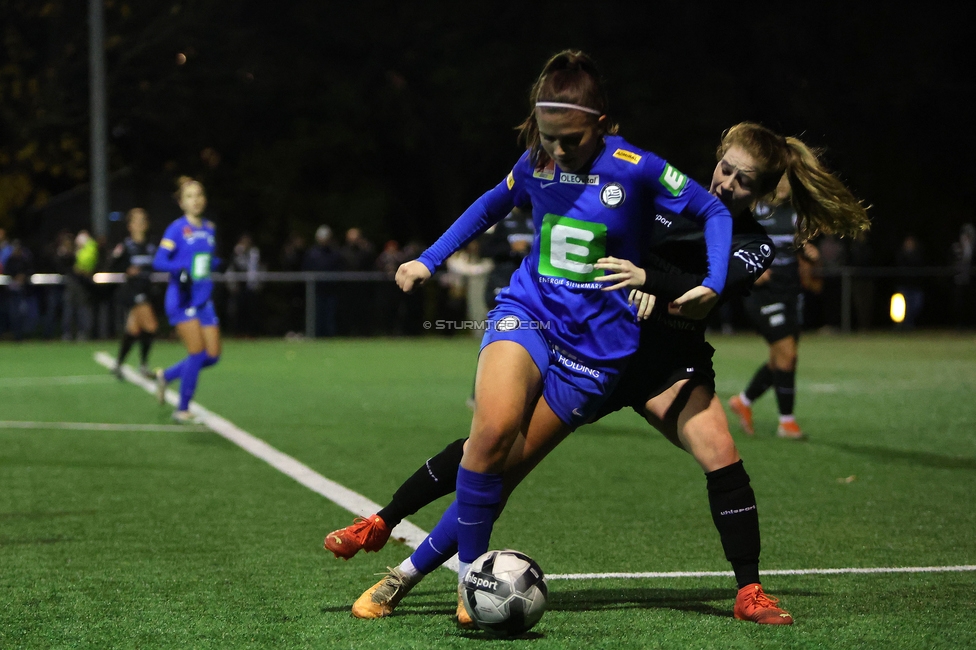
column 168, row 244
column 510, row 181
column 629, row 156
column 673, row 180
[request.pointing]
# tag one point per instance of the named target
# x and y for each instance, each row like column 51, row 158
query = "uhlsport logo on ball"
column 505, row 592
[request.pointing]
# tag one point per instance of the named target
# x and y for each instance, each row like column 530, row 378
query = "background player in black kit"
column 776, row 309
column 134, row 257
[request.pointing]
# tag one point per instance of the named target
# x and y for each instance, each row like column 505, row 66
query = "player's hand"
column 694, row 304
column 623, row 272
column 644, row 301
column 411, row 275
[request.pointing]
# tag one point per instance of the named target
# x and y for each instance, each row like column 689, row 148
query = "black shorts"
column 665, row 357
column 132, row 294
column 776, row 314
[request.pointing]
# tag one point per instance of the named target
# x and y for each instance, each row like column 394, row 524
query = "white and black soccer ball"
column 505, row 592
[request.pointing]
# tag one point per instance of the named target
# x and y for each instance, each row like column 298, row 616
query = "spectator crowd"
column 355, row 296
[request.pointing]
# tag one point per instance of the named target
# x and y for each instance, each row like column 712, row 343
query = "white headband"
column 585, row 109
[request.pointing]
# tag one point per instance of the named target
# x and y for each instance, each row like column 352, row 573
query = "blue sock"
column 188, row 379
column 478, row 498
column 174, row 372
column 210, row 361
column 440, row 545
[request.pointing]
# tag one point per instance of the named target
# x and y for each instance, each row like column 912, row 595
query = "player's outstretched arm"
column 411, row 274
column 694, row 304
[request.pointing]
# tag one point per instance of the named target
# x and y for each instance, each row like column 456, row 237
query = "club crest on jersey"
column 546, row 173
column 612, row 195
column 765, row 250
column 187, row 232
column 576, row 179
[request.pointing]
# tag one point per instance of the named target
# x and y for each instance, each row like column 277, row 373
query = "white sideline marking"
column 95, row 426
column 26, row 382
column 342, row 496
column 773, row 572
column 413, row 535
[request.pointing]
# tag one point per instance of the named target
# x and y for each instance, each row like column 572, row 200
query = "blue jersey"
column 605, row 210
column 189, row 248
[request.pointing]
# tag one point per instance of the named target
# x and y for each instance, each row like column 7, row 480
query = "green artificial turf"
column 180, row 539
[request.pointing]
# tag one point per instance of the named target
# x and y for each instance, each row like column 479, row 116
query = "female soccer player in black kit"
column 776, row 308
column 669, row 380
column 134, row 257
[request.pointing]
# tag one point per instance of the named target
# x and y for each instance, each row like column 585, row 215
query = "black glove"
column 186, row 287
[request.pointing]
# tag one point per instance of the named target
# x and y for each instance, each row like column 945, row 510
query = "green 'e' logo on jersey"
column 569, row 248
column 673, row 180
column 200, row 267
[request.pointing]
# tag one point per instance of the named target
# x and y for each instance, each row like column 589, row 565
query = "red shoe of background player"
column 744, row 413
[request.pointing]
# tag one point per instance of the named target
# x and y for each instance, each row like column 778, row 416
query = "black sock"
column 436, row 478
column 127, row 341
column 145, row 342
column 733, row 505
column 785, row 383
column 761, row 381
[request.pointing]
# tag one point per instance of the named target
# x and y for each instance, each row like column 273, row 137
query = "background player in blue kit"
column 557, row 342
column 186, row 252
column 134, row 257
column 670, row 381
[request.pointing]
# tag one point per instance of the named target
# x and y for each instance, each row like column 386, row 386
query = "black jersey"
column 678, row 263
column 140, row 255
column 506, row 244
column 780, row 223
column 673, row 348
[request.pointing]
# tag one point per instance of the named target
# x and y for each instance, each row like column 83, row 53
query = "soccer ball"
column 505, row 592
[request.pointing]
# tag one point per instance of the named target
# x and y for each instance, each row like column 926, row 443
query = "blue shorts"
column 573, row 388
column 204, row 313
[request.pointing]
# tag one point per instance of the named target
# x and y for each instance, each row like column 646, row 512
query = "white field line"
column 412, row 535
column 28, row 382
column 96, row 426
column 342, row 496
column 772, row 572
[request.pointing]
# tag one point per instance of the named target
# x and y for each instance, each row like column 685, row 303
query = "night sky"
column 396, row 115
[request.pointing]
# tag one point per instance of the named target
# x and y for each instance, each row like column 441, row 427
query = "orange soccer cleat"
column 790, row 429
column 752, row 604
column 382, row 598
column 744, row 413
column 462, row 618
column 369, row 534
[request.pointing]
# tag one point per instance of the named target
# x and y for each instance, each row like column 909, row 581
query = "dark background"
column 394, row 116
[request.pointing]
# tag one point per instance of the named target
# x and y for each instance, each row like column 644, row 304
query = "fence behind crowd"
column 322, row 304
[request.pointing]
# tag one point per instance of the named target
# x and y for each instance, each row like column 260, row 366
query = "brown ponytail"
column 823, row 204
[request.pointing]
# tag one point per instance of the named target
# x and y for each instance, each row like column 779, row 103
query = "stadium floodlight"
column 897, row 308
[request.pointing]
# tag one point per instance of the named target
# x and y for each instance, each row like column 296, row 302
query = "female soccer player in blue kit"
column 186, row 252
column 557, row 342
column 670, row 381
